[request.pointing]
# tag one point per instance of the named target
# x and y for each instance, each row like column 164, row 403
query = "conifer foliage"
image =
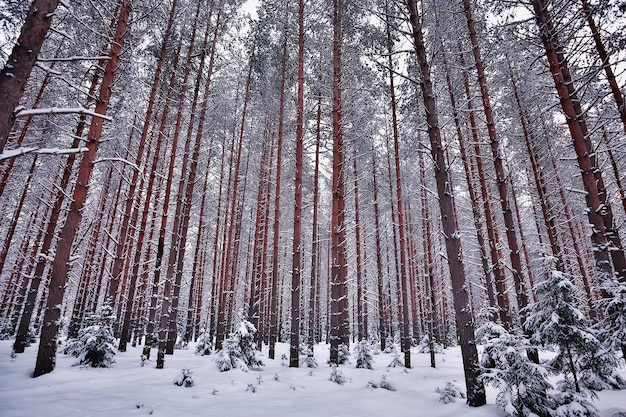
column 239, row 349
column 95, row 344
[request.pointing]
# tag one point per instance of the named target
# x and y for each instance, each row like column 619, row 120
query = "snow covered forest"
column 313, row 183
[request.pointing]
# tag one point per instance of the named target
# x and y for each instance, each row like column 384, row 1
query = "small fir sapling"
column 337, row 376
column 95, row 344
column 306, row 357
column 613, row 327
column 239, row 350
column 555, row 320
column 363, row 354
column 204, row 345
column 6, row 329
column 384, row 384
column 522, row 384
column 424, row 346
column 449, row 393
column 184, row 378
column 395, row 361
column 343, row 354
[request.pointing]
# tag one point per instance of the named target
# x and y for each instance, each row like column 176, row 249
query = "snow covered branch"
column 61, row 110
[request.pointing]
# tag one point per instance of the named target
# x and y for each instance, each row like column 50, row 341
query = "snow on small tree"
column 389, row 344
column 523, row 387
column 306, row 357
column 424, row 346
column 239, row 349
column 184, row 378
column 449, row 393
column 7, row 330
column 205, row 344
column 337, row 376
column 95, row 344
column 613, row 327
column 363, row 354
column 556, row 321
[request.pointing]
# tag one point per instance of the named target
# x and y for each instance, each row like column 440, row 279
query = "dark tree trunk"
column 340, row 326
column 14, row 75
column 465, row 324
column 297, row 208
column 46, row 356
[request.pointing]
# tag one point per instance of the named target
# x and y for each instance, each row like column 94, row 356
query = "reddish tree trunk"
column 340, row 326
column 599, row 213
column 297, row 210
column 493, row 236
column 15, row 73
column 465, row 325
column 516, row 261
column 47, row 346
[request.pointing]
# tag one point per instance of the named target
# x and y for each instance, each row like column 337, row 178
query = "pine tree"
column 523, row 386
column 95, row 344
column 555, row 320
column 239, row 349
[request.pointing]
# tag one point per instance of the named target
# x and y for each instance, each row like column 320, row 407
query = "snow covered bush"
column 306, row 357
column 239, row 350
column 613, row 327
column 555, row 321
column 424, row 346
column 337, row 376
column 343, row 354
column 522, row 384
column 95, row 344
column 6, row 329
column 384, row 384
column 572, row 404
column 184, row 378
column 449, row 393
column 363, row 355
column 204, row 345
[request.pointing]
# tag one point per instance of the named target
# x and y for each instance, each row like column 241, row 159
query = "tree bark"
column 465, row 324
column 14, row 75
column 46, row 355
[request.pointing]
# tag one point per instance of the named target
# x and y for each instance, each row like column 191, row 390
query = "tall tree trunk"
column 406, row 337
column 604, row 238
column 465, row 324
column 493, row 237
column 360, row 316
column 509, row 224
column 46, row 354
column 382, row 305
column 297, row 208
column 313, row 309
column 606, row 64
column 14, row 75
column 340, row 326
column 276, row 227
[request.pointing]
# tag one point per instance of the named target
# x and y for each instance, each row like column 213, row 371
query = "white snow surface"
column 128, row 389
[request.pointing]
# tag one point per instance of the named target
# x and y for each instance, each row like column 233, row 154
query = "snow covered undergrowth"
column 128, row 389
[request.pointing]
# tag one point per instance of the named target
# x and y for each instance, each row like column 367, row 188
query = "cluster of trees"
column 181, row 163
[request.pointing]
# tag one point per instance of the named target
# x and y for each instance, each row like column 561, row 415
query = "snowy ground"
column 128, row 389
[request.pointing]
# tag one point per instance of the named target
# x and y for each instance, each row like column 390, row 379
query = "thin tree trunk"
column 606, row 64
column 465, row 325
column 509, row 224
column 406, row 337
column 49, row 333
column 315, row 279
column 276, row 227
column 602, row 234
column 297, row 208
column 340, row 326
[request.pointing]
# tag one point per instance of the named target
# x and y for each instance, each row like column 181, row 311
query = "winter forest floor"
column 128, row 389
